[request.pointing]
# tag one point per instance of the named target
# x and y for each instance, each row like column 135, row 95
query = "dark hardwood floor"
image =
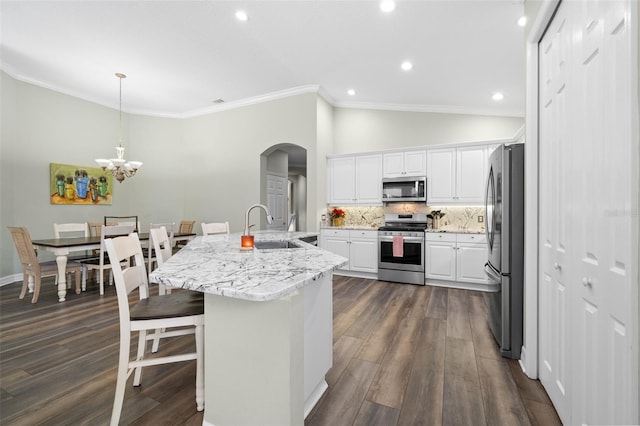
column 403, row 355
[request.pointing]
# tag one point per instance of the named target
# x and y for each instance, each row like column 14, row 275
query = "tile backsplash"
column 456, row 218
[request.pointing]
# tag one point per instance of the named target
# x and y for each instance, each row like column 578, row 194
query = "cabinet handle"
column 587, row 282
column 557, row 266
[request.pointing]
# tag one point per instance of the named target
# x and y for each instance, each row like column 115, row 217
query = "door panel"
column 588, row 234
column 277, row 201
column 440, row 261
column 555, row 354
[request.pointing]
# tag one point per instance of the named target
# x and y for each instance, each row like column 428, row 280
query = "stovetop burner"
column 403, row 227
column 404, row 222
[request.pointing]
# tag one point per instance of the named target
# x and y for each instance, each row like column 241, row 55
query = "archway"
column 283, row 185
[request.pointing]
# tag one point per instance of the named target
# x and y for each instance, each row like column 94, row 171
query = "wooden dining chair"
column 185, row 227
column 180, row 309
column 123, row 220
column 95, row 228
column 215, row 228
column 103, row 262
column 34, row 269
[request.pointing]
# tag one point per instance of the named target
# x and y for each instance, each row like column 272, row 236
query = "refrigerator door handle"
column 492, row 272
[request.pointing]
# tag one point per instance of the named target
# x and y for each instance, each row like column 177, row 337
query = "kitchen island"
column 268, row 324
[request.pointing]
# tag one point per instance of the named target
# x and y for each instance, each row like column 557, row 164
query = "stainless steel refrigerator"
column 504, row 209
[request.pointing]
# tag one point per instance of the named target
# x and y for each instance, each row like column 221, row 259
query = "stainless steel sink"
column 275, row 244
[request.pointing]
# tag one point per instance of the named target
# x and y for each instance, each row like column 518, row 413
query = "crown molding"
column 311, row 88
column 441, row 109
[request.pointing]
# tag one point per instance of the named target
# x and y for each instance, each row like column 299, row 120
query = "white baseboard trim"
column 10, row 279
column 369, row 275
column 315, row 396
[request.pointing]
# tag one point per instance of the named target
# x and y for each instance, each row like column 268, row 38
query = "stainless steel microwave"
column 404, row 189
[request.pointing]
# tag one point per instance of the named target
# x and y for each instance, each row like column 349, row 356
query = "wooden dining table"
column 62, row 247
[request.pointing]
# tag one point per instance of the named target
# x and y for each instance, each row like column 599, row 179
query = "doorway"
column 284, row 185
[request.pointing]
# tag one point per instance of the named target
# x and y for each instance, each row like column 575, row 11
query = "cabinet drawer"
column 357, row 233
column 472, row 238
column 440, row 236
column 335, row 233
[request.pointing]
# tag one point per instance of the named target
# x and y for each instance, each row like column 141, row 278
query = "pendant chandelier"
column 119, row 167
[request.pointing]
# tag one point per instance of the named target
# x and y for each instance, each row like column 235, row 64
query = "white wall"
column 371, row 130
column 223, row 154
column 205, row 168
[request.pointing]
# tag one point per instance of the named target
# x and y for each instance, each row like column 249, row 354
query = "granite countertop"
column 215, row 264
column 356, row 227
column 449, row 231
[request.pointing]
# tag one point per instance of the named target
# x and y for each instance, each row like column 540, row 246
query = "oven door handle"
column 407, row 239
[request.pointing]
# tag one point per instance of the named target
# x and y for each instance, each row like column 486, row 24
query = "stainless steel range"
column 401, row 248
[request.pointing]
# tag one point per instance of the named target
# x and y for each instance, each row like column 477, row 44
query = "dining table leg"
column 61, row 260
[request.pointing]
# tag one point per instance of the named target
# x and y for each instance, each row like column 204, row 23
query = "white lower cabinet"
column 455, row 257
column 359, row 246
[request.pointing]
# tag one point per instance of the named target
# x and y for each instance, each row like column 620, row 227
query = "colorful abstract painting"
column 79, row 185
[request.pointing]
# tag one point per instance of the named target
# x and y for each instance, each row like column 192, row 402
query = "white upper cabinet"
column 470, row 174
column 341, row 178
column 368, row 179
column 456, row 175
column 406, row 163
column 355, row 180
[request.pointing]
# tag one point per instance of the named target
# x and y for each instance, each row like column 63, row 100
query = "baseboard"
column 10, row 279
column 357, row 274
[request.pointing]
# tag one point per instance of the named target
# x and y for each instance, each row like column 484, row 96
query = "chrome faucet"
column 246, row 222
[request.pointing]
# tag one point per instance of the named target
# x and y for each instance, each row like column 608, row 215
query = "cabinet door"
column 341, row 179
column 440, row 175
column 470, row 174
column 363, row 255
column 470, row 263
column 393, row 164
column 440, row 262
column 368, row 179
column 337, row 245
column 415, row 163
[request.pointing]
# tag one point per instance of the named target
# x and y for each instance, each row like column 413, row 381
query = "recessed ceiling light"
column 406, row 65
column 387, row 6
column 351, row 92
column 497, row 96
column 522, row 21
column 241, row 15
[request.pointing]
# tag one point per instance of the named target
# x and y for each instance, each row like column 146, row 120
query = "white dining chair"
column 215, row 228
column 160, row 242
column 180, row 309
column 124, row 220
column 151, row 254
column 103, row 262
column 69, row 230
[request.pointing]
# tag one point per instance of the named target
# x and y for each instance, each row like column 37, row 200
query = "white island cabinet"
column 268, row 325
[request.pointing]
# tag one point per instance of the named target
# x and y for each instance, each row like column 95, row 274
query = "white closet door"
column 588, row 229
column 555, row 311
column 604, row 333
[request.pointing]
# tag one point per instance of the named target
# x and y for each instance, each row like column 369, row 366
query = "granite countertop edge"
column 216, row 265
